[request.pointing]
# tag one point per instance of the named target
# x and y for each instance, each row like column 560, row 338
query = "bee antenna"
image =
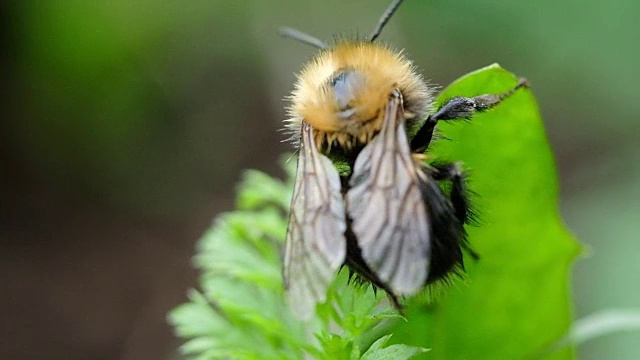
column 384, row 19
column 302, row 37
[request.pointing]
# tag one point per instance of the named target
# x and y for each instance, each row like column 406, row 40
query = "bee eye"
column 346, row 84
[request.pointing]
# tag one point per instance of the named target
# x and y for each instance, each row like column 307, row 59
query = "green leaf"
column 392, row 352
column 259, row 189
column 241, row 311
column 515, row 300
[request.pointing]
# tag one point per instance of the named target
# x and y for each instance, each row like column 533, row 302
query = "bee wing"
column 389, row 216
column 315, row 245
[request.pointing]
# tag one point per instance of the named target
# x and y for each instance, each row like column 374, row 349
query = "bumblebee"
column 386, row 217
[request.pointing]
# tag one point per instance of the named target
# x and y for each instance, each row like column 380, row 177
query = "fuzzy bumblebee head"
column 343, row 90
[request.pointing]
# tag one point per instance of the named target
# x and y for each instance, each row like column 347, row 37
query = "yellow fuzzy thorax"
column 379, row 71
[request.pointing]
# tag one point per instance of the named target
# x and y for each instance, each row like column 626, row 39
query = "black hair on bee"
column 387, row 220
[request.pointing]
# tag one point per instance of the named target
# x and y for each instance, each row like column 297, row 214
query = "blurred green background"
column 125, row 126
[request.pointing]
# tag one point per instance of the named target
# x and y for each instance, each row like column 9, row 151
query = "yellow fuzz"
column 380, row 70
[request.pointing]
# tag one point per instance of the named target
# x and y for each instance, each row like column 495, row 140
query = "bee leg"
column 458, row 195
column 458, row 108
column 453, row 173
